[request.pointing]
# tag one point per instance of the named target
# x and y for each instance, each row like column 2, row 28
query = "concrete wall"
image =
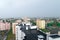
column 41, row 24
column 14, row 27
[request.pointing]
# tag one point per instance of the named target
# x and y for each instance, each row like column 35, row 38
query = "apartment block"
column 40, row 23
column 14, row 27
column 23, row 30
column 4, row 26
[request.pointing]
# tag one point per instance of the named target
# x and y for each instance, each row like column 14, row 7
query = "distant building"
column 4, row 26
column 40, row 23
column 26, row 19
column 18, row 21
column 14, row 28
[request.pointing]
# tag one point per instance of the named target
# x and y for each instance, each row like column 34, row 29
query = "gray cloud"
column 30, row 8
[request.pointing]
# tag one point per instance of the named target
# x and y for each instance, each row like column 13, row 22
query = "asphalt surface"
column 33, row 34
column 4, row 36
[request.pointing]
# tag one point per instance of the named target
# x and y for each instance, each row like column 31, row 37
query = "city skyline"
column 29, row 8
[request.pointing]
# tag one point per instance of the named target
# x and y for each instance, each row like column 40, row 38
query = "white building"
column 20, row 35
column 53, row 37
column 50, row 38
column 40, row 37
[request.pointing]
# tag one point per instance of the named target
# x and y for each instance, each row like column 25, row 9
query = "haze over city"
column 30, row 8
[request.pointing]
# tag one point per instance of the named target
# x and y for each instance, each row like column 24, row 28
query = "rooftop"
column 55, row 36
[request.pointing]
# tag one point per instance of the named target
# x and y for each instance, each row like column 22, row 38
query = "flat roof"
column 54, row 36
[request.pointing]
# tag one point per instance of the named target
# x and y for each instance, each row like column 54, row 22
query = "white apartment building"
column 20, row 35
column 23, row 27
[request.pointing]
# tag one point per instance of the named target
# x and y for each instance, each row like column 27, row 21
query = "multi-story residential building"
column 19, row 33
column 40, row 23
column 4, row 26
column 17, row 22
column 14, row 27
column 22, row 29
column 25, row 31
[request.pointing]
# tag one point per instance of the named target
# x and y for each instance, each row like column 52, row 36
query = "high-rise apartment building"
column 14, row 27
column 4, row 26
column 40, row 23
column 24, row 29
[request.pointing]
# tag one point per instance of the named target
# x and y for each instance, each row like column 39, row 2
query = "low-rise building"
column 54, row 37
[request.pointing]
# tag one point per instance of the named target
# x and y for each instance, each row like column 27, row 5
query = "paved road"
column 4, row 37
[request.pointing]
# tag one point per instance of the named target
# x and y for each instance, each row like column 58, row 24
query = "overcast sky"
column 30, row 8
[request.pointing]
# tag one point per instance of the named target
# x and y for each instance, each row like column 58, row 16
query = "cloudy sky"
column 30, row 8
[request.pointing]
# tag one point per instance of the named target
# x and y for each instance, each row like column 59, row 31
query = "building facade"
column 23, row 29
column 40, row 23
column 4, row 26
column 19, row 33
column 14, row 25
column 14, row 28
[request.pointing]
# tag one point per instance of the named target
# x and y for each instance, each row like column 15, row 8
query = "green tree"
column 33, row 22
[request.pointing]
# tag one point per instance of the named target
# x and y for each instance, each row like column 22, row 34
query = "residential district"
column 30, row 28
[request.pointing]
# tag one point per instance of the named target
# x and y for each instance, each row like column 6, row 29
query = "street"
column 3, row 35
